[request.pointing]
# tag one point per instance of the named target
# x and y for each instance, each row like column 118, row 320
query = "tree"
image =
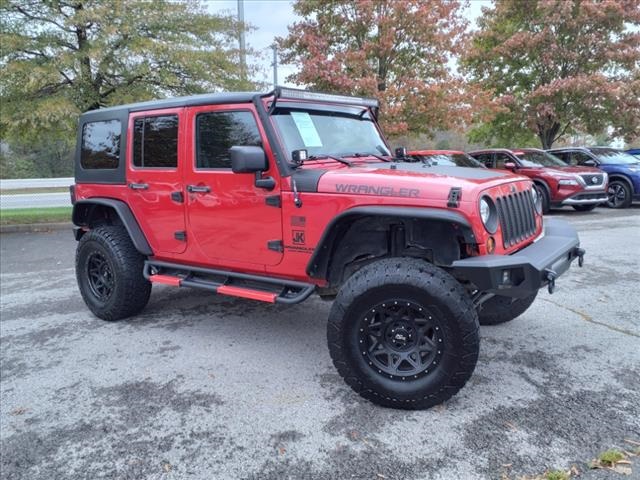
column 559, row 66
column 397, row 51
column 60, row 58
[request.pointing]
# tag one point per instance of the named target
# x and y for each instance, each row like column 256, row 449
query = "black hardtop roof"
column 489, row 150
column 204, row 99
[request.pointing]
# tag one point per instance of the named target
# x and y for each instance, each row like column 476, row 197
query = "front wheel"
column 584, row 208
column 618, row 194
column 544, row 198
column 403, row 334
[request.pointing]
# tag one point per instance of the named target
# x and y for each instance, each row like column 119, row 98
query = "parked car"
column 274, row 196
column 449, row 158
column 635, row 152
column 558, row 184
column 623, row 169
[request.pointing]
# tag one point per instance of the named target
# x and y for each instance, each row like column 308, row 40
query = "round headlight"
column 485, row 210
column 537, row 200
column 488, row 214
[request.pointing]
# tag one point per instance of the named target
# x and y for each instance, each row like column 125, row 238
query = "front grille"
column 593, row 179
column 517, row 217
column 588, row 196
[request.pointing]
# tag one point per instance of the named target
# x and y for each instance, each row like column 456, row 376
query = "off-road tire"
column 622, row 190
column 584, row 208
column 544, row 198
column 111, row 246
column 419, row 284
column 501, row 309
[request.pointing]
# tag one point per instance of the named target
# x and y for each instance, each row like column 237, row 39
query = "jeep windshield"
column 611, row 155
column 539, row 159
column 326, row 131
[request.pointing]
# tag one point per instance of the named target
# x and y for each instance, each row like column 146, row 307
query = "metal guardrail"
column 35, row 199
column 17, row 183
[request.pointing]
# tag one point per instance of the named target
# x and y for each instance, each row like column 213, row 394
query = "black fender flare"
column 82, row 209
column 319, row 262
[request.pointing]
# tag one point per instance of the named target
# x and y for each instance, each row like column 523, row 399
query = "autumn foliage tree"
column 59, row 58
column 397, row 51
column 557, row 67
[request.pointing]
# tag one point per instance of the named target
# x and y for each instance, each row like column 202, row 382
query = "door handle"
column 138, row 186
column 198, row 189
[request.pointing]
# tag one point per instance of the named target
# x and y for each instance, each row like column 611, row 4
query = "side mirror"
column 510, row 166
column 590, row 163
column 248, row 159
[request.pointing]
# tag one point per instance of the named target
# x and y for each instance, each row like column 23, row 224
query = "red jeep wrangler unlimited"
column 275, row 196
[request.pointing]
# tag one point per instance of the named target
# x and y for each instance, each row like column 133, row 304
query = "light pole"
column 243, row 50
column 275, row 65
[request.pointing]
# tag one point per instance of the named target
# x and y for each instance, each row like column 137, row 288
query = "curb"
column 36, row 227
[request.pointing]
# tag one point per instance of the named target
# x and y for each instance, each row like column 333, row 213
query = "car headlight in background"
column 488, row 214
column 568, row 181
column 537, row 200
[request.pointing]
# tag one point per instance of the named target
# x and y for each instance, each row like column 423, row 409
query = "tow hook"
column 551, row 276
column 579, row 252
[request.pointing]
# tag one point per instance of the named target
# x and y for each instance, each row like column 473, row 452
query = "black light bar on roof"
column 296, row 94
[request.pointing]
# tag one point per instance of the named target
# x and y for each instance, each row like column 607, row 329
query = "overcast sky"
column 271, row 18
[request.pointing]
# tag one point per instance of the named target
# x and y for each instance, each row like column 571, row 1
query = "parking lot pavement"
column 205, row 387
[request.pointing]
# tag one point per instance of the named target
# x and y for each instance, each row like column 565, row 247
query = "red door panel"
column 228, row 216
column 154, row 192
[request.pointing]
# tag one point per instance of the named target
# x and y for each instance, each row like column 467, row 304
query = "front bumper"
column 586, row 198
column 524, row 272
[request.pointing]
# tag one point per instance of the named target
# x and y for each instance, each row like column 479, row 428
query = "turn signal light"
column 491, row 245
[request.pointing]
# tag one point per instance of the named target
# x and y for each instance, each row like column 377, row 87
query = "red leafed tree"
column 397, row 51
column 559, row 66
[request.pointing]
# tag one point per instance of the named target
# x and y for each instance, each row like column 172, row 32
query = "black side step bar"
column 254, row 287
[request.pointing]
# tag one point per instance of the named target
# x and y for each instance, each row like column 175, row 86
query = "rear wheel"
column 619, row 194
column 500, row 309
column 403, row 334
column 109, row 273
column 584, row 208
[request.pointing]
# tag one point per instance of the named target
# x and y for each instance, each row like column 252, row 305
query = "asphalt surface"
column 35, row 200
column 205, row 387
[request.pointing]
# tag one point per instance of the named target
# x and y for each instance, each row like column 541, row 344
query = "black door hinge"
column 275, row 245
column 177, row 197
column 180, row 235
column 273, row 201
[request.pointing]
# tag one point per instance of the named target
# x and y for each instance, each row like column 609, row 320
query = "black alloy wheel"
column 618, row 194
column 401, row 339
column 100, row 276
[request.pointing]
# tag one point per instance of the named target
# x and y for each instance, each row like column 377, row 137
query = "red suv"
column 558, row 184
column 450, row 158
column 275, row 196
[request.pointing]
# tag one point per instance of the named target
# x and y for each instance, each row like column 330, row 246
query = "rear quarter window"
column 100, row 148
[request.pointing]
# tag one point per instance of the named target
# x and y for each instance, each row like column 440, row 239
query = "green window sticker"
column 306, row 129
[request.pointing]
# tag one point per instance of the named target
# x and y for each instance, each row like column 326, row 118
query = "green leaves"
column 559, row 66
column 62, row 58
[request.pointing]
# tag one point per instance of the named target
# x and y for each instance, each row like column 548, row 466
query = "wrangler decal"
column 377, row 190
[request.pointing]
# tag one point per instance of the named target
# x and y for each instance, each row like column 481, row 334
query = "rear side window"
column 217, row 132
column 155, row 142
column 100, row 147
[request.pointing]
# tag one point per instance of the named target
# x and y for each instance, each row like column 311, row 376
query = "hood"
column 414, row 180
column 572, row 169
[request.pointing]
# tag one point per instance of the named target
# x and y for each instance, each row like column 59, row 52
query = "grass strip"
column 22, row 216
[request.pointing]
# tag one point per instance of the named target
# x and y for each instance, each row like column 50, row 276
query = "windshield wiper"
column 379, row 157
column 331, row 157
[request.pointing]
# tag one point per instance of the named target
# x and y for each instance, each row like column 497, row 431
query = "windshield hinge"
column 455, row 194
